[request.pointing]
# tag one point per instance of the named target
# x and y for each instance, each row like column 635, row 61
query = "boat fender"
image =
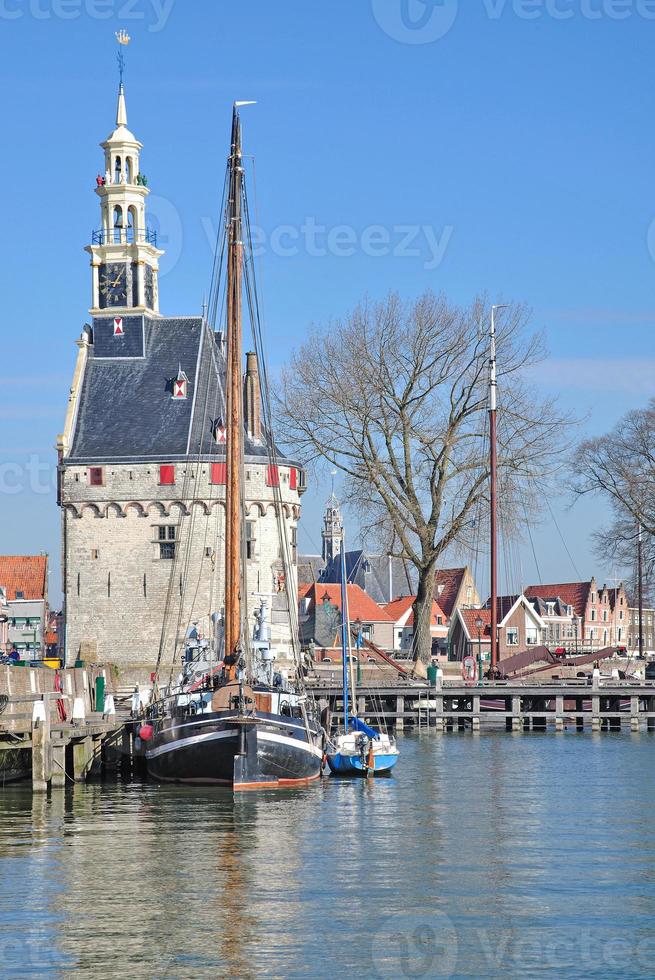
column 146, row 732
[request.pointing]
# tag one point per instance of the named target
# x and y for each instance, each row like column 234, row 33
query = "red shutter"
column 95, row 476
column 293, row 478
column 219, row 473
column 273, row 476
column 166, row 475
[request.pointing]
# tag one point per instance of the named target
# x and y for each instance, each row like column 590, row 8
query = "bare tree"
column 620, row 466
column 395, row 396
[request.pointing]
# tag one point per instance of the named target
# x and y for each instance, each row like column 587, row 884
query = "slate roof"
column 360, row 604
column 573, row 594
column 24, row 573
column 371, row 573
column 126, row 412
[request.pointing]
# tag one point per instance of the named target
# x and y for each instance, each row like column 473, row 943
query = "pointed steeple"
column 121, row 109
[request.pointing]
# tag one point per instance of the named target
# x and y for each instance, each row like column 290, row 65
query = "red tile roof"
column 399, row 607
column 451, row 580
column 470, row 615
column 360, row 604
column 573, row 594
column 24, row 573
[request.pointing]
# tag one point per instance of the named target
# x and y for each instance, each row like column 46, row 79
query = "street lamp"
column 479, row 624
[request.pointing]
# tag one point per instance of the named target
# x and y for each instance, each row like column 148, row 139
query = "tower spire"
column 123, row 39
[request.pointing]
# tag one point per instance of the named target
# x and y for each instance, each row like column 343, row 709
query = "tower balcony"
column 124, row 236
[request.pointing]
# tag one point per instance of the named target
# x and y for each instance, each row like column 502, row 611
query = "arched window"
column 118, row 223
column 131, row 224
column 117, row 170
column 128, row 170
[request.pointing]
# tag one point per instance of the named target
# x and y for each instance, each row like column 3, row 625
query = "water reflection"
column 485, row 856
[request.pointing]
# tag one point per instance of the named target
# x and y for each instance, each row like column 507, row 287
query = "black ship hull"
column 224, row 748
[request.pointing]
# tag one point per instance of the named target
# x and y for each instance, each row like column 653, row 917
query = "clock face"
column 112, row 281
column 150, row 287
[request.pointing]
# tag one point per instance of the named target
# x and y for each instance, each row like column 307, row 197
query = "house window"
column 593, row 615
column 166, row 536
column 272, row 476
column 367, row 631
column 250, row 540
column 512, row 634
column 604, row 615
column 593, row 596
column 95, row 476
column 219, row 474
column 166, row 475
column 293, row 478
column 620, row 614
column 618, row 634
column 569, row 610
column 439, row 620
column 532, row 635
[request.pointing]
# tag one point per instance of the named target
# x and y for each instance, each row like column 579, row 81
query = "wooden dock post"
column 559, row 714
column 475, row 720
column 400, row 710
column 595, row 712
column 58, row 780
column 82, row 756
column 516, row 714
column 41, row 745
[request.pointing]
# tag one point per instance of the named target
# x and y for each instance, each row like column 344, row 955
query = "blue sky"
column 514, row 138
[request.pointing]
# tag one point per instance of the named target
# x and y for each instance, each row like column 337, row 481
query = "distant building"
column 562, row 628
column 402, row 613
column 601, row 614
column 519, row 627
column 320, row 618
column 455, row 588
column 383, row 577
column 648, row 629
column 24, row 582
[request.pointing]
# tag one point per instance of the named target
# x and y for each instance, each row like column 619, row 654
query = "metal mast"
column 234, row 422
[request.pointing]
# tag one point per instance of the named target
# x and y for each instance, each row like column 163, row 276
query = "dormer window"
column 95, row 476
column 180, row 385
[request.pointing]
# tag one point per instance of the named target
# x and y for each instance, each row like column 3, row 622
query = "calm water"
column 485, row 856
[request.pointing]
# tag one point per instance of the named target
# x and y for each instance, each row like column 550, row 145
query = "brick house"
column 600, row 615
column 454, row 588
column 648, row 629
column 519, row 627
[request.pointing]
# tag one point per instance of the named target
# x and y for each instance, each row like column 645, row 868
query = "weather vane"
column 123, row 39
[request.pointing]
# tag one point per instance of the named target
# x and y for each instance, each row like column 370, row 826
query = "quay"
column 513, row 706
column 60, row 736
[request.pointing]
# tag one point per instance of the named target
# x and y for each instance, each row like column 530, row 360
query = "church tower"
column 332, row 533
column 124, row 253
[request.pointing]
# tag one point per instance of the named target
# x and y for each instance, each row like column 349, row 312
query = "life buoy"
column 469, row 669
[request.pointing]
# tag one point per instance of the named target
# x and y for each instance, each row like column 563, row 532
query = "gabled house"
column 24, row 579
column 401, row 612
column 454, row 588
column 601, row 615
column 519, row 627
column 320, row 618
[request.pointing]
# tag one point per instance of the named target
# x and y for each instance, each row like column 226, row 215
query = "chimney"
column 252, row 398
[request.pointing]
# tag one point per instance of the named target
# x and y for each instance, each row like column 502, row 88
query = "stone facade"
column 118, row 585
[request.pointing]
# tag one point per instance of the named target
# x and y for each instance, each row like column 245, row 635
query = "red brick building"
column 601, row 616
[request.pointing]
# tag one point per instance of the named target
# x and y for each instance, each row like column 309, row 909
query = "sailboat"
column 359, row 750
column 236, row 722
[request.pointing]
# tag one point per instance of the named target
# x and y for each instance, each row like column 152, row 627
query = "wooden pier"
column 608, row 706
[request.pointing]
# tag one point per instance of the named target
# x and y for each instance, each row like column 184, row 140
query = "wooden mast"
column 493, row 503
column 234, row 421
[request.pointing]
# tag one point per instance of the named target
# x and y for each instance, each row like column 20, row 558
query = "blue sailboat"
column 358, row 750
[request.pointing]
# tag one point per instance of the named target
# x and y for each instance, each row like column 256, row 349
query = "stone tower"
column 332, row 532
column 124, row 253
column 141, row 475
